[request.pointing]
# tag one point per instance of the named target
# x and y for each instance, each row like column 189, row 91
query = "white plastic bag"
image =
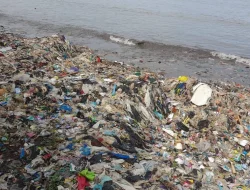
column 201, row 94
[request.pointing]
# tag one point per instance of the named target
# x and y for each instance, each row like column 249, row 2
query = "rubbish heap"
column 69, row 120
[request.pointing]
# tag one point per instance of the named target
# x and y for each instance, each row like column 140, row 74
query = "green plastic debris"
column 88, row 174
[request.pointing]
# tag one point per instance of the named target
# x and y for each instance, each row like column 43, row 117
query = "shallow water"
column 167, row 28
column 210, row 24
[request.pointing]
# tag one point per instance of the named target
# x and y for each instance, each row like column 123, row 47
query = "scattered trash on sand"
column 72, row 120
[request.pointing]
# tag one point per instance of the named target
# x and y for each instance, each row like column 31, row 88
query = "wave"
column 122, row 40
column 76, row 33
column 231, row 57
column 177, row 50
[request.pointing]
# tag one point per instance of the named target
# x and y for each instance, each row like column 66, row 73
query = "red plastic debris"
column 82, row 182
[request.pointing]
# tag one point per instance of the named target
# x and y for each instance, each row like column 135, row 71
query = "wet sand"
column 171, row 60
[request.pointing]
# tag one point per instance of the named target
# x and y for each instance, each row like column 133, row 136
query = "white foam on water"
column 225, row 56
column 123, row 41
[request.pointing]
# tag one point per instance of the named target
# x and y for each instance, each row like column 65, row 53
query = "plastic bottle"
column 113, row 91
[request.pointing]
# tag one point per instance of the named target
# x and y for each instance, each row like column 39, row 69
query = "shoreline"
column 174, row 31
column 172, row 60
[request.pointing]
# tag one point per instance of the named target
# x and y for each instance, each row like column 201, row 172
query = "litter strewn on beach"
column 72, row 120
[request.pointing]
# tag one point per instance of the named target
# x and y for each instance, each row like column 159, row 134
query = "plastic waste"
column 147, row 98
column 180, row 88
column 70, row 146
column 98, row 149
column 125, row 186
column 121, row 156
column 126, row 128
column 179, row 146
column 114, row 90
column 66, row 108
column 82, row 183
column 110, row 133
column 37, row 161
column 169, row 131
column 182, row 78
column 203, row 146
column 87, row 174
column 243, row 142
column 22, row 154
column 209, row 176
column 158, row 115
column 101, row 122
column 17, row 90
column 104, row 179
column 139, row 170
column 98, row 187
column 203, row 124
column 22, row 77
column 5, row 49
column 201, row 94
column 85, row 150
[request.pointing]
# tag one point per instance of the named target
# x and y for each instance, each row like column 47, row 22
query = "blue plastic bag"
column 66, row 108
column 85, row 150
column 22, row 153
column 121, row 156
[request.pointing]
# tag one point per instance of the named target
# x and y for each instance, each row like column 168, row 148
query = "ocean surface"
column 206, row 38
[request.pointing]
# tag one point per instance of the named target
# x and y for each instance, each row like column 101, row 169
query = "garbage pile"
column 70, row 120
